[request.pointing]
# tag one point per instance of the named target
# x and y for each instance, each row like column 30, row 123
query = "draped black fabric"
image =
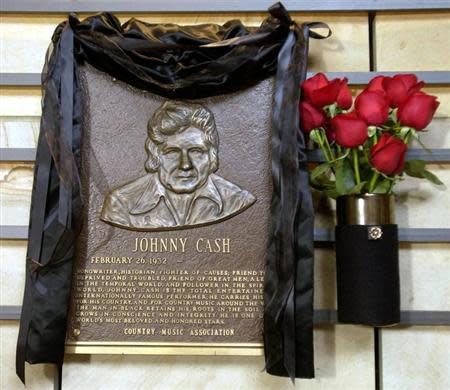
column 288, row 292
column 182, row 61
column 175, row 62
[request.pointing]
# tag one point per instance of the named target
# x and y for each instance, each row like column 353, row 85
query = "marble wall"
column 413, row 358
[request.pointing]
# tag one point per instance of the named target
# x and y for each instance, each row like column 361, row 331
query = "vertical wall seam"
column 377, row 332
column 372, row 41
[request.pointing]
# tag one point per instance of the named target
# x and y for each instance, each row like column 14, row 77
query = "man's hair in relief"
column 173, row 118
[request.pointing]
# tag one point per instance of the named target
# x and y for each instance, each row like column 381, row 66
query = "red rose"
column 331, row 134
column 418, row 110
column 376, row 85
column 388, row 155
column 311, row 117
column 318, row 81
column 372, row 107
column 408, row 79
column 344, row 98
column 400, row 87
column 349, row 131
column 320, row 92
column 326, row 95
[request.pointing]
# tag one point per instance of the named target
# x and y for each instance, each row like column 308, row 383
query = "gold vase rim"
column 365, row 209
column 367, row 195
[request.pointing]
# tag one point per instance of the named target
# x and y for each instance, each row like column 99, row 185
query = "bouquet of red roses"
column 364, row 142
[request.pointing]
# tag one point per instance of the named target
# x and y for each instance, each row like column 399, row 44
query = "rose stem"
column 356, row 165
column 407, row 137
column 321, row 138
column 373, row 180
column 391, row 185
column 329, row 147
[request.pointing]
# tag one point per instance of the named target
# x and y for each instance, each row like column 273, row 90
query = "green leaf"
column 345, row 155
column 344, row 177
column 319, row 177
column 432, row 178
column 417, row 138
column 331, row 193
column 316, row 136
column 323, row 183
column 382, row 187
column 358, row 189
column 365, row 169
column 332, row 110
column 416, row 168
column 372, row 130
column 404, row 132
column 393, row 116
column 319, row 170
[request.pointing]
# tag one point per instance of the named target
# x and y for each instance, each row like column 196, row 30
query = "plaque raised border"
column 232, row 181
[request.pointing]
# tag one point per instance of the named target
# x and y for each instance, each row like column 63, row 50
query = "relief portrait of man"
column 180, row 188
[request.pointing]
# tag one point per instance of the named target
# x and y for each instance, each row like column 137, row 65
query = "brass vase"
column 367, row 267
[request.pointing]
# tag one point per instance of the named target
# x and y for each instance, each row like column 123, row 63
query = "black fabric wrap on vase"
column 175, row 62
column 368, row 278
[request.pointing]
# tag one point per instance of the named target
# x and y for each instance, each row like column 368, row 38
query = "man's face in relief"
column 184, row 161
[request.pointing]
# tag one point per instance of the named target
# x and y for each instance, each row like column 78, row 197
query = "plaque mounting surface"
column 187, row 279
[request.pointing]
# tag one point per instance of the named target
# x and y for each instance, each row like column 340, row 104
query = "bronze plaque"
column 172, row 252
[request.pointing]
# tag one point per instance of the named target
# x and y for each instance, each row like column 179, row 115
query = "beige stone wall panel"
column 19, row 132
column 423, row 281
column 24, row 101
column 12, row 271
column 347, row 49
column 344, row 359
column 16, row 182
column 38, row 377
column 416, row 358
column 413, row 41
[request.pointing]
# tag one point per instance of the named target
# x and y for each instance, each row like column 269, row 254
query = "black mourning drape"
column 175, row 62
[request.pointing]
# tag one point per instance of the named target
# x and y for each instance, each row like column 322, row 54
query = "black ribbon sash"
column 175, row 62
